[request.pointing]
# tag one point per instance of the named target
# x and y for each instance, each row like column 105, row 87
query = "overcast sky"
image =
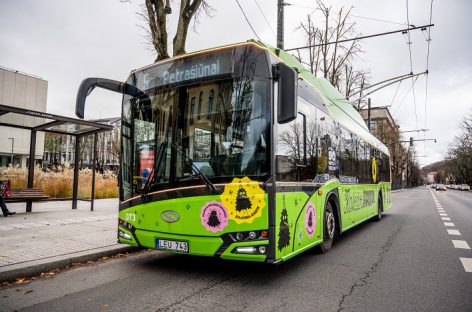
column 67, row 41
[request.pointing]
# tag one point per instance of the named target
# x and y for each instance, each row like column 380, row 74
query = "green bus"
column 238, row 152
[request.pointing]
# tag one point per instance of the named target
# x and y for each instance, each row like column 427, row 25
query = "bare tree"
column 460, row 153
column 333, row 61
column 156, row 16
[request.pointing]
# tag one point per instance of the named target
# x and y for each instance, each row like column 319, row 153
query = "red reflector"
column 264, row 233
column 121, row 221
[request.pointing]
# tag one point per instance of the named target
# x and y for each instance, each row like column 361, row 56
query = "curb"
column 36, row 267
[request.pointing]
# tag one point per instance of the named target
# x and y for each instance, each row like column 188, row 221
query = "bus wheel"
column 379, row 209
column 329, row 228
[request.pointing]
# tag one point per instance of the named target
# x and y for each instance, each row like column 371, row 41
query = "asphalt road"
column 407, row 262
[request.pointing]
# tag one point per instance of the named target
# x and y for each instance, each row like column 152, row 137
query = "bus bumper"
column 199, row 245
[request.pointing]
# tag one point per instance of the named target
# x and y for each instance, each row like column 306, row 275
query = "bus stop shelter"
column 35, row 121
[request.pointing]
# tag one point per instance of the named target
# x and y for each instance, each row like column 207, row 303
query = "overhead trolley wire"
column 268, row 24
column 411, row 62
column 427, row 63
column 362, row 37
column 247, row 20
column 358, row 16
column 395, row 95
column 406, row 94
column 428, row 40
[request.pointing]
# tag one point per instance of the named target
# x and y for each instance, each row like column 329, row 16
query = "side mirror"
column 287, row 92
column 87, row 86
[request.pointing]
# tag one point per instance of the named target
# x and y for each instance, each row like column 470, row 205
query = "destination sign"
column 186, row 69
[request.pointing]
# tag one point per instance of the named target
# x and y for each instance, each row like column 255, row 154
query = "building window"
column 200, row 99
column 192, row 109
column 211, row 95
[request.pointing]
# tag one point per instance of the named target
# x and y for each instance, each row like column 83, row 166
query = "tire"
column 378, row 217
column 329, row 228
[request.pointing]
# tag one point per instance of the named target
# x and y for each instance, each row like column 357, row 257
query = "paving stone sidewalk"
column 55, row 235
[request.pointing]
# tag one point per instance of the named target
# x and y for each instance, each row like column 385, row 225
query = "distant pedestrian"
column 5, row 190
column 5, row 210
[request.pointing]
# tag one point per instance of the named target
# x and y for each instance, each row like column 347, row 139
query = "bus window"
column 291, row 149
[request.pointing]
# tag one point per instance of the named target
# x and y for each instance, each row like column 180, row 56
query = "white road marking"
column 453, row 232
column 448, row 224
column 443, row 214
column 462, row 244
column 446, row 218
column 467, row 263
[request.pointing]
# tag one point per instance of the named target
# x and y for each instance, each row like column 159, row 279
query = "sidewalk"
column 54, row 236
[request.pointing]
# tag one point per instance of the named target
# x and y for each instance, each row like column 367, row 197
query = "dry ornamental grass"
column 58, row 184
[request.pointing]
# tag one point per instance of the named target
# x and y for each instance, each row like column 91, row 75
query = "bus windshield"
column 222, row 126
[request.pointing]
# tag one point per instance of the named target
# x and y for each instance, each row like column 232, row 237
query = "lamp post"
column 12, row 144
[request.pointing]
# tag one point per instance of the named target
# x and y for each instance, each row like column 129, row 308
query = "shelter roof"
column 39, row 121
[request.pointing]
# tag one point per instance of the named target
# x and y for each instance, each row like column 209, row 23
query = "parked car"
column 440, row 187
column 464, row 187
column 433, row 186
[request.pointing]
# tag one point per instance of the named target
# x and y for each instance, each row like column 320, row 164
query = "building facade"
column 23, row 91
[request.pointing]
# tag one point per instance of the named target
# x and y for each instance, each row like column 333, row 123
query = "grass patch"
column 58, row 183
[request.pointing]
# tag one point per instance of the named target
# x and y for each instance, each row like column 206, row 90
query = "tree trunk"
column 157, row 25
column 188, row 9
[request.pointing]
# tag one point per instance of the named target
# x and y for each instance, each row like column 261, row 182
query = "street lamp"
column 12, row 144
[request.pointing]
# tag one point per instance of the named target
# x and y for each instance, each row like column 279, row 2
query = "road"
column 407, row 262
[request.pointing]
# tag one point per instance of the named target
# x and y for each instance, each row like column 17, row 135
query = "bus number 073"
column 130, row 217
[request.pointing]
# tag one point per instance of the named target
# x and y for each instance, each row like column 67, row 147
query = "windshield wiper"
column 155, row 177
column 199, row 174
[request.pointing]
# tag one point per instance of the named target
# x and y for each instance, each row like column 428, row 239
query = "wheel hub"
column 330, row 222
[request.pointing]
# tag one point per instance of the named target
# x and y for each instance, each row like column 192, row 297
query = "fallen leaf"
column 21, row 280
column 28, row 291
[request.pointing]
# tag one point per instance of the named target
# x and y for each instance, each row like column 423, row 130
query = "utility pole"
column 280, row 24
column 12, row 145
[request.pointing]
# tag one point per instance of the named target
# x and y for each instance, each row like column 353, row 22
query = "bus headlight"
column 246, row 250
column 250, row 250
column 124, row 235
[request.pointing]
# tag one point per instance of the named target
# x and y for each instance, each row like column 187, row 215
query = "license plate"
column 178, row 246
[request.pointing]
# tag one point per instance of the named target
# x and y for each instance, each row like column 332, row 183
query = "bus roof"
column 339, row 107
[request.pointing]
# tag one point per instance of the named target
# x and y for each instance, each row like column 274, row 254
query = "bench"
column 26, row 195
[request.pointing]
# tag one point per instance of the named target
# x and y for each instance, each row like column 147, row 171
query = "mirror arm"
column 87, row 86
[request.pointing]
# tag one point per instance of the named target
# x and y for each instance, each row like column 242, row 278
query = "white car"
column 464, row 187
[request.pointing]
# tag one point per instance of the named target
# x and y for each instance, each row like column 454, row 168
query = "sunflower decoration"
column 374, row 169
column 244, row 200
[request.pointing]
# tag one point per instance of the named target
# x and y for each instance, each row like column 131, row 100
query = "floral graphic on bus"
column 214, row 216
column 310, row 220
column 244, row 200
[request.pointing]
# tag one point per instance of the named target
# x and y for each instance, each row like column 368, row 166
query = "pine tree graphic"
column 310, row 220
column 284, row 231
column 242, row 200
column 213, row 220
